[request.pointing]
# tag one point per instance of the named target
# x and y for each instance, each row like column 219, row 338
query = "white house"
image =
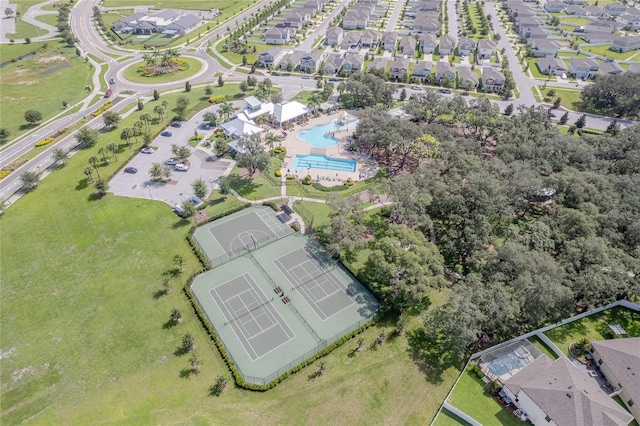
column 255, row 108
column 466, row 46
column 619, row 362
column 558, row 393
column 625, row 43
column 275, row 35
column 585, row 68
column 355, row 20
column 370, row 38
column 422, row 70
column 240, row 127
column 552, row 66
column 289, row 112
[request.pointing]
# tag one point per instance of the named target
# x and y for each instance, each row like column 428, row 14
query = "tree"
column 187, row 87
column 508, row 110
column 220, row 81
column 557, row 102
column 156, row 171
column 224, row 186
column 244, row 86
column 614, row 95
column 613, row 128
column 156, row 95
column 102, row 151
column 60, row 156
column 565, row 117
column 29, row 180
column 86, row 137
column 178, row 260
column 180, row 152
column 426, row 106
column 276, row 98
column 199, row 188
column 4, row 135
column 32, row 116
column 181, row 106
column 210, row 118
column 160, row 110
column 195, row 363
column 315, row 99
column 271, row 139
column 252, row 155
column 110, row 118
column 94, row 161
column 225, row 111
column 267, row 85
column 208, row 90
column 127, row 134
column 217, row 388
column 89, row 173
column 140, row 105
column 8, row 12
column 146, row 119
column 581, row 122
column 188, row 343
column 319, row 83
column 344, row 231
column 176, row 315
column 113, row 149
column 244, row 60
column 403, row 94
column 102, row 186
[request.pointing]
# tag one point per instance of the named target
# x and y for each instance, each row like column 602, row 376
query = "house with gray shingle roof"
column 407, row 46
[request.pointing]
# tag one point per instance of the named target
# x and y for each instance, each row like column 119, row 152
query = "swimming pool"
column 317, row 161
column 322, row 136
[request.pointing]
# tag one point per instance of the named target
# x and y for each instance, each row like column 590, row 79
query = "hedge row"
column 102, row 109
column 217, row 99
column 51, row 138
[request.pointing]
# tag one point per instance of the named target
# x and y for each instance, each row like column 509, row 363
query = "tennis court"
column 278, row 303
column 249, row 312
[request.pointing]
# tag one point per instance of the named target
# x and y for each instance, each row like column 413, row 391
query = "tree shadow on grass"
column 186, row 373
column 159, row 293
column 95, row 196
column 82, row 184
column 169, row 324
column 429, row 356
column 180, row 351
column 243, row 185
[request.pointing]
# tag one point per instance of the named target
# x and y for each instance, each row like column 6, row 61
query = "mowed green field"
column 41, row 82
column 227, row 7
column 134, row 72
column 86, row 337
column 24, row 29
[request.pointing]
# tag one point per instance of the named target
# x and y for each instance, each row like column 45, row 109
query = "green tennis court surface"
column 277, row 302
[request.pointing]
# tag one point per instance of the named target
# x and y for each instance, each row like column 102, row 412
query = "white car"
column 171, row 162
column 146, row 150
column 181, row 167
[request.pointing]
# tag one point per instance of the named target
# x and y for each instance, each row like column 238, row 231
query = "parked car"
column 445, row 91
column 176, row 124
column 131, row 170
column 166, row 134
column 179, row 208
column 334, row 79
column 146, row 150
column 205, row 126
column 306, row 77
column 465, row 93
column 181, row 167
column 418, row 88
column 275, row 73
column 171, row 162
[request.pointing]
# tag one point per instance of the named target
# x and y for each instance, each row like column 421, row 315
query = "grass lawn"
column 445, row 418
column 259, row 186
column 17, row 50
column 303, row 96
column 570, row 98
column 470, row 397
column 134, row 72
column 56, row 71
column 542, row 347
column 575, row 21
column 320, row 212
column 227, row 8
column 48, row 19
column 111, row 16
column 236, row 58
column 24, row 29
column 93, row 344
column 595, row 327
column 605, row 51
column 533, row 66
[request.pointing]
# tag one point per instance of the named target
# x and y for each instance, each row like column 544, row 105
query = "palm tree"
column 94, row 162
column 156, row 171
column 113, row 148
column 149, row 59
column 103, row 152
column 195, row 363
column 267, row 84
column 315, row 99
column 159, row 109
column 60, row 156
column 188, row 342
column 225, row 111
column 176, row 315
column 126, row 135
column 271, row 139
column 87, row 171
column 146, row 118
column 102, row 186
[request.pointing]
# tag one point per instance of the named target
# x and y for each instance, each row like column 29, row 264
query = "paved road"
column 453, row 18
column 395, row 14
column 322, row 28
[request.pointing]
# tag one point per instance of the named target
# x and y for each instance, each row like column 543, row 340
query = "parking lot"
column 178, row 188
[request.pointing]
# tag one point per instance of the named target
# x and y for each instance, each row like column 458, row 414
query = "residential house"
column 422, row 71
column 182, row 25
column 424, row 24
column 447, row 44
column 275, row 35
column 318, row 5
column 291, row 61
column 576, row 10
column 445, row 71
column 552, row 66
column 354, row 20
column 399, row 68
column 600, row 26
column 634, row 67
column 545, row 48
column 596, row 11
column 310, row 61
column 467, row 78
column 554, row 6
column 425, row 6
column 311, row 11
column 598, row 38
column 610, row 68
column 486, row 49
column 625, row 43
column 370, row 38
column 535, row 34
column 352, row 62
column 466, row 46
column 428, row 43
column 630, row 19
column 378, row 63
column 492, row 79
column 578, row 2
column 528, row 22
column 350, row 41
column 389, row 41
column 407, row 46
column 332, row 64
column 295, row 19
column 289, row 112
column 270, row 57
column 615, row 9
column 559, row 393
column 584, row 68
column 619, row 362
column 333, row 36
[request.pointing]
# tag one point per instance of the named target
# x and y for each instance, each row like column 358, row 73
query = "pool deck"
column 365, row 169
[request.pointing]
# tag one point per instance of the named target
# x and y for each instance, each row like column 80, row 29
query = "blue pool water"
column 317, row 161
column 321, row 136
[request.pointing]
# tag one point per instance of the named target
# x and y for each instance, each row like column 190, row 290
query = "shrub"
column 307, row 180
column 4, row 174
column 217, row 99
column 350, row 182
column 45, row 141
column 290, row 177
column 278, row 173
column 279, row 149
